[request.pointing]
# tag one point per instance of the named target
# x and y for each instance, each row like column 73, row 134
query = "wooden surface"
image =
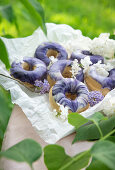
column 20, row 128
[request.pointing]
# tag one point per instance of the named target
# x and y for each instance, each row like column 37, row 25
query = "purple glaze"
column 30, row 76
column 72, row 86
column 106, row 82
column 42, row 49
column 79, row 54
column 58, row 67
column 112, row 74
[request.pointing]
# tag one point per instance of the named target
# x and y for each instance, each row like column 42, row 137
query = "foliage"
column 92, row 17
column 36, row 11
column 32, row 9
column 5, row 100
column 102, row 153
column 56, row 159
column 22, row 152
column 5, row 112
column 95, row 128
column 97, row 165
column 4, row 54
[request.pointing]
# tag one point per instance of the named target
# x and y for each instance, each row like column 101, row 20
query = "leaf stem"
column 76, row 158
column 32, row 168
column 99, row 129
column 106, row 136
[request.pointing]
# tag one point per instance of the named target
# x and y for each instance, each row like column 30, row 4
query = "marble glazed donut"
column 97, row 82
column 47, row 49
column 70, row 93
column 28, row 71
column 60, row 70
column 81, row 54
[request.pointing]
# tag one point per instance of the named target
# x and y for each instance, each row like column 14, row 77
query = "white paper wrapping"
column 37, row 107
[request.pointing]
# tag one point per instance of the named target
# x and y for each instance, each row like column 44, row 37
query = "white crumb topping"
column 103, row 46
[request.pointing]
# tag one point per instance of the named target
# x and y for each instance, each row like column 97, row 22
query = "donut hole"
column 67, row 72
column 71, row 96
column 27, row 67
column 52, row 52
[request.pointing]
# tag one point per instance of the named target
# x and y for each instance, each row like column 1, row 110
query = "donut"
column 100, row 83
column 81, row 54
column 112, row 74
column 47, row 49
column 60, row 70
column 28, row 71
column 70, row 93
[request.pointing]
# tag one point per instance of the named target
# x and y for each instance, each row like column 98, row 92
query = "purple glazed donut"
column 56, row 71
column 112, row 74
column 106, row 82
column 81, row 54
column 72, row 86
column 30, row 70
column 47, row 49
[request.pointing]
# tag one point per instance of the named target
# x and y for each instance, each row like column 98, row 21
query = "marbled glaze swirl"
column 81, row 54
column 72, row 86
column 112, row 74
column 106, row 82
column 37, row 70
column 56, row 70
column 42, row 50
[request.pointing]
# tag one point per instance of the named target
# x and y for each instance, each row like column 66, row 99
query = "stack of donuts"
column 65, row 90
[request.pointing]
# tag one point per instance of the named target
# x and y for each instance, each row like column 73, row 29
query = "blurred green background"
column 92, row 17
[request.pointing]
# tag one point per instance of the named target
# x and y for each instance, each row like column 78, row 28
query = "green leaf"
column 112, row 36
column 5, row 112
column 111, row 138
column 78, row 162
column 76, row 120
column 36, row 11
column 91, row 132
column 97, row 165
column 8, row 13
column 4, row 54
column 104, row 151
column 97, row 117
column 7, row 36
column 27, row 151
column 55, row 158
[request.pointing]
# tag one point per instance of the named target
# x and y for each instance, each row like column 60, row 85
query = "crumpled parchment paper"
column 37, row 107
